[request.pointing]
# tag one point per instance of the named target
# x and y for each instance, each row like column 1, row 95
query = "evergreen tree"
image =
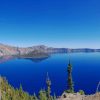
column 70, row 82
column 54, row 97
column 42, row 95
column 21, row 91
column 48, row 82
column 35, row 97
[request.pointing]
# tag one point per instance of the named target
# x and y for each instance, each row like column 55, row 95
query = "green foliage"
column 10, row 93
column 54, row 97
column 70, row 81
column 42, row 95
column 81, row 92
column 69, row 91
column 48, row 91
column 35, row 97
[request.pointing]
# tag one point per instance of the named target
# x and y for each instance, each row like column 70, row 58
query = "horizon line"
column 47, row 46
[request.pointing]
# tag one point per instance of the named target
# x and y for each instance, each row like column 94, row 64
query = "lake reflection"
column 31, row 73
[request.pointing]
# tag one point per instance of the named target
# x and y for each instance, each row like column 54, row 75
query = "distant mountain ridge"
column 40, row 49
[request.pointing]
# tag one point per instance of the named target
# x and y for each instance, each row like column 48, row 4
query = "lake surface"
column 32, row 73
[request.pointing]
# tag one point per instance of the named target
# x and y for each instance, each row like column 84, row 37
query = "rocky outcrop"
column 6, row 50
column 78, row 96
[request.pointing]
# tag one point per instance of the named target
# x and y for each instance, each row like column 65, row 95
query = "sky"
column 55, row 23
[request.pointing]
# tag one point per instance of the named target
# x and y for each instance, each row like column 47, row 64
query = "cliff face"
column 7, row 50
column 10, row 50
column 41, row 49
column 35, row 50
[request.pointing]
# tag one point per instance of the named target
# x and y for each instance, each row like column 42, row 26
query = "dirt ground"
column 77, row 96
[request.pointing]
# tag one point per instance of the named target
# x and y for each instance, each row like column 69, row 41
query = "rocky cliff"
column 6, row 50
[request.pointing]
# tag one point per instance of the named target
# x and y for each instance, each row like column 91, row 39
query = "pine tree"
column 48, row 82
column 54, row 98
column 70, row 81
column 42, row 95
column 35, row 97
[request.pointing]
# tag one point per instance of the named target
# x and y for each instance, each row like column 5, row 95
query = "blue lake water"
column 32, row 74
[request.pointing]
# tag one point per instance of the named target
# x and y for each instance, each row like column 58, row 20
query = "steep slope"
column 6, row 50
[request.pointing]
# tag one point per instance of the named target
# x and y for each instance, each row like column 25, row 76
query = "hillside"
column 36, row 51
column 7, row 92
column 7, row 50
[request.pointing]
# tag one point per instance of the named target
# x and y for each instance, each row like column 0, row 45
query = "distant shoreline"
column 39, row 51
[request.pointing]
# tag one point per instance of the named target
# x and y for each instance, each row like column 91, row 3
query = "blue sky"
column 56, row 23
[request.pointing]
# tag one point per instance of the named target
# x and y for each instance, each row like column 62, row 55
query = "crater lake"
column 31, row 73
